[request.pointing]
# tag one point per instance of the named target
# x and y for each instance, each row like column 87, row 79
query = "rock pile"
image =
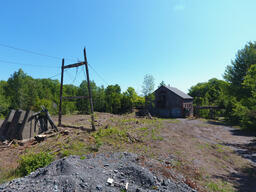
column 111, row 172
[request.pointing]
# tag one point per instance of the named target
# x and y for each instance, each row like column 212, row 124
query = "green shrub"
column 32, row 161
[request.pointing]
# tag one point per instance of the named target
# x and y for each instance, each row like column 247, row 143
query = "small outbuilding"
column 171, row 102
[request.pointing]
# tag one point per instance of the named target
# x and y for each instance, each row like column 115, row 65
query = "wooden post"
column 61, row 87
column 89, row 90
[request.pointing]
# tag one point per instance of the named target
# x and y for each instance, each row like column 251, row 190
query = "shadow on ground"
column 244, row 179
column 78, row 127
column 247, row 151
column 234, row 131
column 222, row 123
column 241, row 132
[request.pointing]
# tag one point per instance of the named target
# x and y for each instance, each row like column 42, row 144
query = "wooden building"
column 171, row 102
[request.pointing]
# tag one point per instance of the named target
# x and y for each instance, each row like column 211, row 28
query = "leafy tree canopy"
column 148, row 85
column 236, row 72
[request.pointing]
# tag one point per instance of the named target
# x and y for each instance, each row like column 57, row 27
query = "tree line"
column 21, row 91
column 236, row 94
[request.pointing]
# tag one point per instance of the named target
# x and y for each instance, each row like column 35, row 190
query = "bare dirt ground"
column 208, row 155
column 219, row 151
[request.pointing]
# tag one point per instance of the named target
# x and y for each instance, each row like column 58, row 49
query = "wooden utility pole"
column 89, row 90
column 76, row 97
column 61, row 87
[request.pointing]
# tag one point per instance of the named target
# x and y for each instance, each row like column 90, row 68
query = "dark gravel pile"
column 92, row 174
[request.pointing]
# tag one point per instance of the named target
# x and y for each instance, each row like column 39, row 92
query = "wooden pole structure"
column 61, row 87
column 89, row 90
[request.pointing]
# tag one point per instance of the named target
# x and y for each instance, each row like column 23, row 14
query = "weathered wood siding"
column 169, row 104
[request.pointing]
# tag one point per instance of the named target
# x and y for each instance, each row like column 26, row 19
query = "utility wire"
column 53, row 76
column 69, row 75
column 76, row 75
column 34, row 52
column 29, row 51
column 17, row 63
column 44, row 55
column 98, row 74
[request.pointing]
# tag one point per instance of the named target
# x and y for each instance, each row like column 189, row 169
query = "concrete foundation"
column 19, row 125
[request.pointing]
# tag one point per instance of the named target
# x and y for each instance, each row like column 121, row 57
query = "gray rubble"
column 110, row 172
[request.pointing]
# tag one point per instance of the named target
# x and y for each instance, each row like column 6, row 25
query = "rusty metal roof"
column 179, row 92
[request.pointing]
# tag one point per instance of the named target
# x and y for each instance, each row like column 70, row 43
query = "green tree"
column 147, row 89
column 131, row 93
column 48, row 95
column 235, row 73
column 99, row 99
column 14, row 89
column 128, row 99
column 211, row 93
column 162, row 84
column 245, row 109
column 30, row 94
column 113, row 99
column 4, row 102
column 241, row 76
column 148, row 85
column 83, row 104
column 250, row 79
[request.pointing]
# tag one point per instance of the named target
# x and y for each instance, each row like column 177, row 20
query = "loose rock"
column 74, row 174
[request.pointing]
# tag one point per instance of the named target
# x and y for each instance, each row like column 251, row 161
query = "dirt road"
column 221, row 151
column 243, row 142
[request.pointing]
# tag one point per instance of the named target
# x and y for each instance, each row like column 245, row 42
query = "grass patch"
column 154, row 134
column 203, row 146
column 128, row 120
column 7, row 175
column 112, row 135
column 176, row 163
column 219, row 187
column 143, row 128
column 203, row 120
column 110, row 132
column 173, row 121
column 219, row 148
column 73, row 148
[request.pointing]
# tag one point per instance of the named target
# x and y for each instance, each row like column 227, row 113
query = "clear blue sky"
column 181, row 42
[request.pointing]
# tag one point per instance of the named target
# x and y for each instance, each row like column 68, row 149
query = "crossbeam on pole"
column 74, row 65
